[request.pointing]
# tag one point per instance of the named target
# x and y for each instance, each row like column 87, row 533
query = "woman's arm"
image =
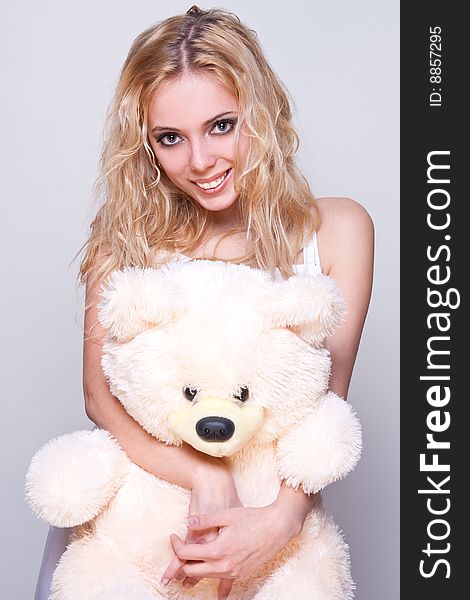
column 346, row 246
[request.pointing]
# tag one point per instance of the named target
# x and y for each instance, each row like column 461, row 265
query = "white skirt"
column 56, row 544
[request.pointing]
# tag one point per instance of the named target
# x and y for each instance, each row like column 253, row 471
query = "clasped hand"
column 229, row 543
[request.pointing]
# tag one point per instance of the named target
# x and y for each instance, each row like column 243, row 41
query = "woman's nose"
column 202, row 157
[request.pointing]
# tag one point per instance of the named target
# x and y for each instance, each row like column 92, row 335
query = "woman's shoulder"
column 342, row 211
column 345, row 231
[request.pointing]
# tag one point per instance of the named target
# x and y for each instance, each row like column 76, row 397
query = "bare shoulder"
column 343, row 214
column 345, row 233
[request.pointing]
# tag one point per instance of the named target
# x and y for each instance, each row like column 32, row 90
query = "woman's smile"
column 214, row 185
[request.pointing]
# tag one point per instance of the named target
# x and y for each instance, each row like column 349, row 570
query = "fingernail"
column 165, row 581
column 192, row 521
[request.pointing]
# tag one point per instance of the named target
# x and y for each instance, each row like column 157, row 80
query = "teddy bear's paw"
column 72, row 477
column 323, row 448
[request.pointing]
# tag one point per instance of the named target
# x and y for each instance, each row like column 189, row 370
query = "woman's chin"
column 219, row 203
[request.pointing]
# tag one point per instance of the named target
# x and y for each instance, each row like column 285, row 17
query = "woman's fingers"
column 172, row 570
column 201, row 560
column 225, row 586
column 196, row 549
column 213, row 520
column 192, row 551
column 199, row 570
column 190, row 581
column 201, row 537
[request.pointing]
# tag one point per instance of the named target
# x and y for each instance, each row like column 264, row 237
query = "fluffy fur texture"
column 330, row 432
column 188, row 344
column 70, row 493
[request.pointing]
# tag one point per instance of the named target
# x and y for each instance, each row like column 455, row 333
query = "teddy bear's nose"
column 215, row 429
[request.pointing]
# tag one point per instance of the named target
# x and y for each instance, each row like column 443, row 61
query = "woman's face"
column 191, row 126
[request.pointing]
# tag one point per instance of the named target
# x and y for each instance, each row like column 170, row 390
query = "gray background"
column 60, row 61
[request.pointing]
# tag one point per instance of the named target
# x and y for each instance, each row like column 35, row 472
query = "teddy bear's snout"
column 215, row 429
column 216, row 426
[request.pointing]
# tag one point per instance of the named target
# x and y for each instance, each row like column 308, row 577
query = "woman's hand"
column 247, row 538
column 213, row 490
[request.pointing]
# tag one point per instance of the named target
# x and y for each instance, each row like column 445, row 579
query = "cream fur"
column 217, row 328
column 73, row 477
column 323, row 448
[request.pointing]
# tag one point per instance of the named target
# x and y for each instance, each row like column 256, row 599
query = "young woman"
column 199, row 163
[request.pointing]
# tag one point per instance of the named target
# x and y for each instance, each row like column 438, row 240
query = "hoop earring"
column 155, row 164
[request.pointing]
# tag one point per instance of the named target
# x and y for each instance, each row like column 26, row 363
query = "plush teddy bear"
column 224, row 358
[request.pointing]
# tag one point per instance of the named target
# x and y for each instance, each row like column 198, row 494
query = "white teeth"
column 211, row 184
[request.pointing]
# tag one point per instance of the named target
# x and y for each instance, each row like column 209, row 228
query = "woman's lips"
column 214, row 185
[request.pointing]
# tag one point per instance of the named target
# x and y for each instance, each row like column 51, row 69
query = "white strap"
column 312, row 255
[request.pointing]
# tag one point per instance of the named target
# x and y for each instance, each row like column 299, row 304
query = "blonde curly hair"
column 142, row 215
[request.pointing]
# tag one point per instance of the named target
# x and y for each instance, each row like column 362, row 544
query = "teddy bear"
column 232, row 361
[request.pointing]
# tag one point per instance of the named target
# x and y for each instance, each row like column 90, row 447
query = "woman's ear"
column 134, row 299
column 309, row 305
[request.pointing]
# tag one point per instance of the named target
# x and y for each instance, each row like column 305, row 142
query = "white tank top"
column 311, row 259
column 311, row 264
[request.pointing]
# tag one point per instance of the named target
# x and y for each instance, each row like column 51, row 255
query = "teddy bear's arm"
column 324, row 447
column 72, row 477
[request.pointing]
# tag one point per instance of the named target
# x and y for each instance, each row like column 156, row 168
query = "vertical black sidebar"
column 435, row 332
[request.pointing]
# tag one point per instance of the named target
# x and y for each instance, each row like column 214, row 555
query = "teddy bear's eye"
column 189, row 392
column 242, row 394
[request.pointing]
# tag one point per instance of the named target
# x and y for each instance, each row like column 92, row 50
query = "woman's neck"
column 222, row 221
column 216, row 246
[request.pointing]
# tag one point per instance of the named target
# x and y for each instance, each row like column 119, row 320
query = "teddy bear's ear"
column 134, row 299
column 310, row 305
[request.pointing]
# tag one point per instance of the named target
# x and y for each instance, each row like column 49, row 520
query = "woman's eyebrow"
column 205, row 124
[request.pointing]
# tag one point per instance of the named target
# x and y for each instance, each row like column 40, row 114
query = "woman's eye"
column 169, row 139
column 223, row 126
column 242, row 394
